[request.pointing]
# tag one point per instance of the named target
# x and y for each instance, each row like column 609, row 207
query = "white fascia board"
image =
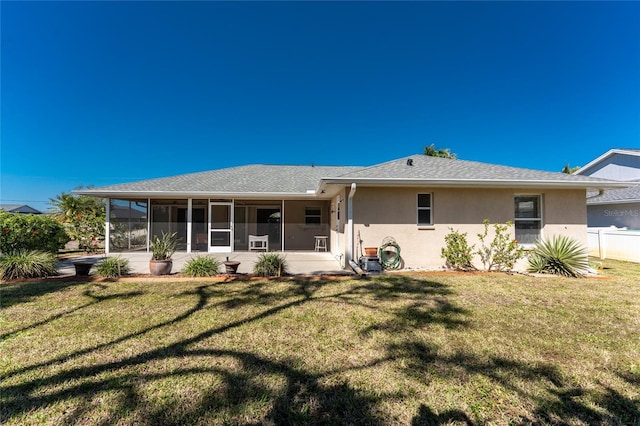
column 628, row 201
column 172, row 194
column 488, row 183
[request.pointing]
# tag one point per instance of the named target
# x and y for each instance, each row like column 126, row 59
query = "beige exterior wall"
column 392, row 212
column 299, row 236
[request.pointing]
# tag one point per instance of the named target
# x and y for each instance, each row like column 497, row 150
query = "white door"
column 221, row 227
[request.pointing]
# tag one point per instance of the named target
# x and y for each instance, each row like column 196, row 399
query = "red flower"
column 35, row 232
column 6, row 230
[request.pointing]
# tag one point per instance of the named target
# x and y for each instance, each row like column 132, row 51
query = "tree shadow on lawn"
column 304, row 397
column 93, row 300
column 556, row 402
column 16, row 292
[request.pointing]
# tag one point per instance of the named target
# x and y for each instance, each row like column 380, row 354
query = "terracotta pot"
column 231, row 267
column 371, row 251
column 160, row 267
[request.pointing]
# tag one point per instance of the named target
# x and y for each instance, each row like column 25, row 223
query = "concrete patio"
column 299, row 263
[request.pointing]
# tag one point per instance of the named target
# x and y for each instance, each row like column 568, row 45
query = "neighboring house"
column 415, row 200
column 19, row 208
column 615, row 207
column 613, row 215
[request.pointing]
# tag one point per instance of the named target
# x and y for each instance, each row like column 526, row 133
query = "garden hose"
column 389, row 253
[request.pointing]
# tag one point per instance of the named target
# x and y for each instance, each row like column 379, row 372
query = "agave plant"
column 560, row 255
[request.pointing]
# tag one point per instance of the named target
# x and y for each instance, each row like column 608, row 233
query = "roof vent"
column 410, row 162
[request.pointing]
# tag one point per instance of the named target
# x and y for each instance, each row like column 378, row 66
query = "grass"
column 423, row 348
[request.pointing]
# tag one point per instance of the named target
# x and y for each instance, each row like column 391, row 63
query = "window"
column 312, row 216
column 528, row 218
column 425, row 216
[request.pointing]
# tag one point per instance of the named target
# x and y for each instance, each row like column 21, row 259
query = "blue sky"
column 97, row 93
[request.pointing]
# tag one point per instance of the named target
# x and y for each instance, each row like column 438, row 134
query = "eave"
column 478, row 183
column 201, row 195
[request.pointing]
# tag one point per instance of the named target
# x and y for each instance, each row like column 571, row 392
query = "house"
column 613, row 215
column 414, row 200
column 19, row 208
column 615, row 207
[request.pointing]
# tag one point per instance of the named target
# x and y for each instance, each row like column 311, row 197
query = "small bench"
column 259, row 242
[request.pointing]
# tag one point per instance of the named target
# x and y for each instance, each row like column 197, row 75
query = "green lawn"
column 395, row 349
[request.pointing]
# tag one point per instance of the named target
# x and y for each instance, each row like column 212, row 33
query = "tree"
column 431, row 151
column 569, row 170
column 83, row 217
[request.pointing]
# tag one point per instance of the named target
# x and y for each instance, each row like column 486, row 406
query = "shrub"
column 26, row 232
column 559, row 255
column 201, row 266
column 270, row 265
column 113, row 267
column 457, row 253
column 27, row 264
column 503, row 252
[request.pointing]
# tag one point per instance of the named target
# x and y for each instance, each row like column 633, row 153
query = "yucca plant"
column 27, row 264
column 201, row 266
column 270, row 265
column 163, row 247
column 113, row 267
column 560, row 255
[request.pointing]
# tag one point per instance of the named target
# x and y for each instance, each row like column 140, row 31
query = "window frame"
column 307, row 216
column 424, row 208
column 539, row 218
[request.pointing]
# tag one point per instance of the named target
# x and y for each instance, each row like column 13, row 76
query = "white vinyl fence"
column 614, row 243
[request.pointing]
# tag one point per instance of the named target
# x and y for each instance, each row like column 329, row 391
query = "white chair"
column 259, row 242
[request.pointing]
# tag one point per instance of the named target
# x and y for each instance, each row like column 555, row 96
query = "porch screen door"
column 221, row 227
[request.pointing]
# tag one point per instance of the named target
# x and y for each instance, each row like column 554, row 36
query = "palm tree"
column 569, row 170
column 431, row 151
column 82, row 216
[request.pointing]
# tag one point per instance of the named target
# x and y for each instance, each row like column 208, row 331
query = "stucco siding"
column 392, row 212
column 565, row 213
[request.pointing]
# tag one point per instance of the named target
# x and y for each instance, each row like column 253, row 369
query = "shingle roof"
column 613, row 196
column 257, row 180
column 436, row 169
column 243, row 179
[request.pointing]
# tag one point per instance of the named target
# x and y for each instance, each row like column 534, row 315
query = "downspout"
column 349, row 248
column 107, row 227
column 600, row 192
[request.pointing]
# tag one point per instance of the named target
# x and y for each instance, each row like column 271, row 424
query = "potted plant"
column 231, row 266
column 162, row 248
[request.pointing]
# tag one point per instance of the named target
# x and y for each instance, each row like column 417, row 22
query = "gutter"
column 349, row 248
column 178, row 194
column 487, row 183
